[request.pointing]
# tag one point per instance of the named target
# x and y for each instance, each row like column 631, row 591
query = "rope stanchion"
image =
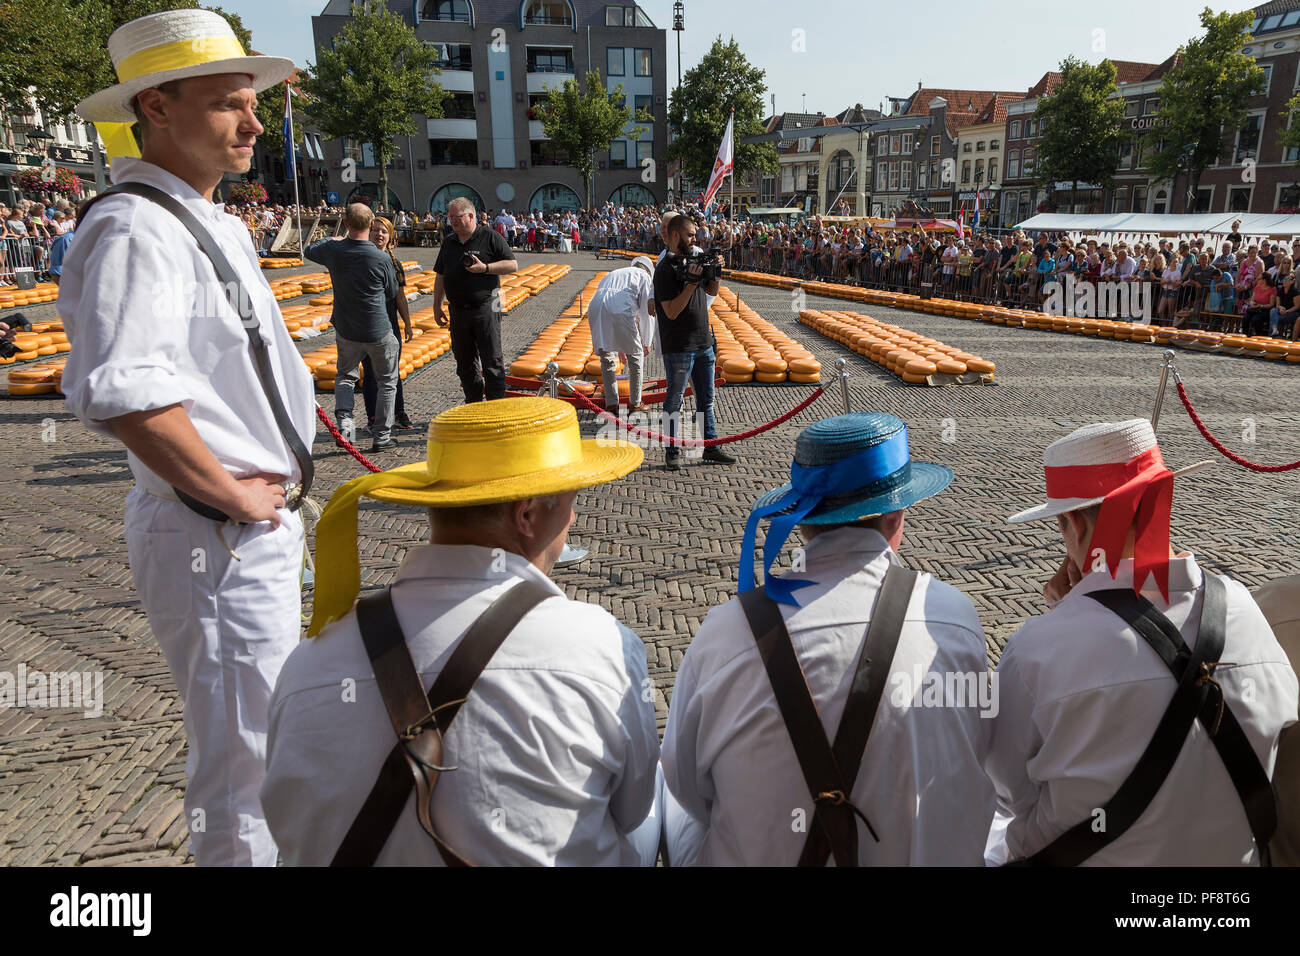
column 1218, row 445
column 343, row 443
column 694, row 442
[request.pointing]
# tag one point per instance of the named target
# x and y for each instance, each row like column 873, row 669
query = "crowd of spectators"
column 28, row 230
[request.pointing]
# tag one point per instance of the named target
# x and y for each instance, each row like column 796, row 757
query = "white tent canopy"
column 1254, row 226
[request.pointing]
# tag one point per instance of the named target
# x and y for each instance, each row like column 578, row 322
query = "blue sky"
column 862, row 52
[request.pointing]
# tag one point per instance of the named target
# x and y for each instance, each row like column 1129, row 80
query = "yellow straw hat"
column 175, row 45
column 480, row 454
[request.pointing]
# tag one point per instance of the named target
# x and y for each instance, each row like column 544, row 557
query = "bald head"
column 357, row 218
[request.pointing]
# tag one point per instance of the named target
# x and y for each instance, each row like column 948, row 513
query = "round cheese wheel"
column 770, row 377
column 771, row 365
column 33, row 375
column 526, row 369
column 809, row 378
column 48, row 350
column 570, row 366
column 979, row 365
column 950, row 366
column 739, row 366
column 912, row 379
column 920, row 367
column 805, row 366
column 737, row 378
column 23, row 388
column 327, row 370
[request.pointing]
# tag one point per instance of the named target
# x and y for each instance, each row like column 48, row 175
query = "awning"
column 1253, row 225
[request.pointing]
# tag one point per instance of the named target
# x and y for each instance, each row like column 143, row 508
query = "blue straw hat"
column 845, row 468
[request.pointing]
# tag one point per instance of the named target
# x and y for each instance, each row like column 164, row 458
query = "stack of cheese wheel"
column 42, row 378
column 278, row 263
column 42, row 292
column 909, row 355
column 567, row 342
column 751, row 349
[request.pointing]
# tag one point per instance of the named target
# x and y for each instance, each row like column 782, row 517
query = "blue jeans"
column 698, row 367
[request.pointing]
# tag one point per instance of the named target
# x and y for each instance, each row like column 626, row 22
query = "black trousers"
column 476, row 344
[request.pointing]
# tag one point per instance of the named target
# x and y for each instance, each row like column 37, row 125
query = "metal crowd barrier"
column 23, row 253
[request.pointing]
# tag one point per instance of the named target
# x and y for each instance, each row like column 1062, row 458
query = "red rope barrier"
column 1218, row 445
column 698, row 442
column 343, row 443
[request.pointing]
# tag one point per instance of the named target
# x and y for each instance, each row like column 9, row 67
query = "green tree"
column 698, row 111
column 584, row 121
column 1203, row 100
column 1080, row 126
column 373, row 84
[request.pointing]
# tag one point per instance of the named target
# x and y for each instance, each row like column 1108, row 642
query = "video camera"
column 15, row 321
column 709, row 262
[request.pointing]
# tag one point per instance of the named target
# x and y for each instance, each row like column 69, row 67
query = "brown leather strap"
column 830, row 772
column 421, row 720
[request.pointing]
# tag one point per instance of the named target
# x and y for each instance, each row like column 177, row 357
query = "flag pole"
column 297, row 204
column 731, row 198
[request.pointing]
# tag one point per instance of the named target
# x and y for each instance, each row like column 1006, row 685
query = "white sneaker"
column 348, row 430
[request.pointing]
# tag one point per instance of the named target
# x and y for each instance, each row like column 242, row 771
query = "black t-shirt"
column 689, row 332
column 392, row 303
column 1005, row 255
column 1286, row 296
column 468, row 290
column 1235, row 239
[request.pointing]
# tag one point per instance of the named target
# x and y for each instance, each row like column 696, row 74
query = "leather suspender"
column 830, row 770
column 1198, row 696
column 242, row 305
column 419, row 720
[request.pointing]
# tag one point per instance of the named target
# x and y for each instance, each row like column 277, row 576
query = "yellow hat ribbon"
column 179, row 54
column 118, row 140
column 338, row 568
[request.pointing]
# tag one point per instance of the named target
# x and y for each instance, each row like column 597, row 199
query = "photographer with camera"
column 681, row 282
column 469, row 263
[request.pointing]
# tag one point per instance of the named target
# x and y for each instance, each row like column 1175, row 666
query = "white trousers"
column 225, row 627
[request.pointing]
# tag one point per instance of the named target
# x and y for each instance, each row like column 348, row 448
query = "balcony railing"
column 545, row 19
column 550, row 68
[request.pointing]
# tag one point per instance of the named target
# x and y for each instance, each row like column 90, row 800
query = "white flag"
column 721, row 166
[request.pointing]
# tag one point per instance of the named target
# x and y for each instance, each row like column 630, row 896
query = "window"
column 979, row 147
column 543, row 152
column 453, row 56
column 643, row 61
column 965, row 171
column 1125, row 153
column 643, row 149
column 645, row 103
column 895, row 145
column 805, row 144
column 907, row 144
column 1012, row 207
column 880, row 177
column 614, row 61
column 1268, row 77
column 453, row 152
column 1151, row 106
column 787, row 179
column 1290, row 154
column 1027, row 168
column 550, row 59
column 454, row 10
column 368, row 155
column 1139, row 199
column 1248, row 138
column 965, row 147
column 438, row 201
column 993, row 171
column 458, row 106
column 1131, row 107
column 934, row 146
column 906, row 183
column 549, row 12
column 1291, row 18
column 1161, row 205
column 1031, row 129
column 1204, row 197
column 1013, row 164
column 979, row 170
column 553, row 197
column 893, row 175
column 1015, row 130
column 882, row 145
column 613, row 16
column 1272, row 22
column 1239, row 198
column 920, row 176
column 995, row 144
column 1119, row 200
column 618, row 154
column 934, row 174
column 633, row 194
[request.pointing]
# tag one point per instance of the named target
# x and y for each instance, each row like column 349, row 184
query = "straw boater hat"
column 845, row 469
column 175, row 45
column 1117, row 465
column 480, row 454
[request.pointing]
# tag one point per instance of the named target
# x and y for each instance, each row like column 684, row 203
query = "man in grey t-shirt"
column 364, row 283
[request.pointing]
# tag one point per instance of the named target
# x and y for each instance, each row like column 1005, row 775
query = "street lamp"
column 679, row 24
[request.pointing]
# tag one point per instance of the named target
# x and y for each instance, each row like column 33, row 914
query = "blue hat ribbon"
column 809, row 484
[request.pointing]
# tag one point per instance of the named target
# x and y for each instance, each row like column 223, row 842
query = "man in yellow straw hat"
column 179, row 351
column 553, row 742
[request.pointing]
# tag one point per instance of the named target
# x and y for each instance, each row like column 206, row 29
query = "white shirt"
column 727, row 756
column 1081, row 695
column 619, row 312
column 150, row 326
column 556, row 745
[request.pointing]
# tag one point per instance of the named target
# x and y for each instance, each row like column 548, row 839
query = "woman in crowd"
column 1284, row 320
column 384, row 236
column 1262, row 304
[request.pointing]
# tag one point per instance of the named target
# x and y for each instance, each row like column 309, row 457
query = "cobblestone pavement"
column 665, row 546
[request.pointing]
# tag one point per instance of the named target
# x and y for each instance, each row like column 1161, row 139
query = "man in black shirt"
column 469, row 263
column 364, row 282
column 683, row 316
